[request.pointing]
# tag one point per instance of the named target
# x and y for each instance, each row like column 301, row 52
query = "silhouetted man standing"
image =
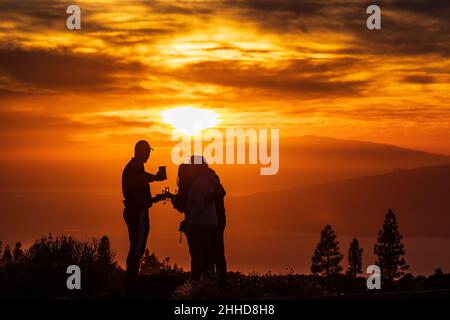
column 137, row 200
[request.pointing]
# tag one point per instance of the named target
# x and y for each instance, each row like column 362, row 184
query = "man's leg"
column 143, row 230
column 132, row 263
column 138, row 229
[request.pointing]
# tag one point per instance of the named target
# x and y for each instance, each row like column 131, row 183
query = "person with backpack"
column 205, row 238
column 217, row 249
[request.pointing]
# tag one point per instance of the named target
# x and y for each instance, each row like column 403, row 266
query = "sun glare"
column 190, row 121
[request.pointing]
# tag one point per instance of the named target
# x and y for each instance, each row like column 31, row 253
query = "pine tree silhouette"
column 390, row 249
column 6, row 260
column 327, row 257
column 354, row 258
column 18, row 253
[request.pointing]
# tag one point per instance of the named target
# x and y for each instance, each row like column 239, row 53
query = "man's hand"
column 158, row 197
column 162, row 196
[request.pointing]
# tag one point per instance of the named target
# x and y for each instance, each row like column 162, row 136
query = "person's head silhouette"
column 142, row 151
column 199, row 160
column 198, row 165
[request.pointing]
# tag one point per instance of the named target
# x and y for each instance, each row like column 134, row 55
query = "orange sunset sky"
column 73, row 103
column 306, row 67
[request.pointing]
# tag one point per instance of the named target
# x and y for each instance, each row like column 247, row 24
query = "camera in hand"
column 162, row 174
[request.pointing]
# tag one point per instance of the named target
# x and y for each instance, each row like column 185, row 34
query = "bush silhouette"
column 151, row 264
column 41, row 270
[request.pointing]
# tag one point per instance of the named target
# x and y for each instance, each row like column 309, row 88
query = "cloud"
column 183, row 8
column 308, row 61
column 419, row 79
column 37, row 129
column 35, row 120
column 413, row 27
column 104, row 121
column 22, row 121
column 419, row 114
column 408, row 27
column 40, row 11
column 63, row 70
column 301, row 77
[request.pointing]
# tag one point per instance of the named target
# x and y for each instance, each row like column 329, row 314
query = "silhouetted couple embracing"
column 200, row 197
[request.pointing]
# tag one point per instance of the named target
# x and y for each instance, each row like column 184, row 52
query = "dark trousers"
column 217, row 251
column 138, row 228
column 199, row 242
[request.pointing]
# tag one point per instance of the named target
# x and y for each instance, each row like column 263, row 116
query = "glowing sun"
column 190, row 121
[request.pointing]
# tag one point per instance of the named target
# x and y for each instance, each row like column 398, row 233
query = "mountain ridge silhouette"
column 356, row 206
